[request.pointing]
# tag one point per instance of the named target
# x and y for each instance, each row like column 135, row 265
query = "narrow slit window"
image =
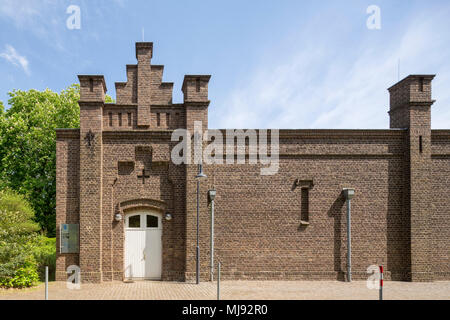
column 120, row 119
column 158, row 119
column 110, row 119
column 421, row 84
column 129, row 119
column 91, row 85
column 168, row 120
column 420, row 144
column 305, row 206
column 197, row 85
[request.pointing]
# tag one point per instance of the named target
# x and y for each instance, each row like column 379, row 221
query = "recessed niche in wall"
column 304, row 215
column 305, row 187
column 160, row 165
column 143, row 155
column 125, row 167
column 298, row 183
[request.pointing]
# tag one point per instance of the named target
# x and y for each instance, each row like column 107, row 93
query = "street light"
column 349, row 194
column 200, row 176
column 212, row 196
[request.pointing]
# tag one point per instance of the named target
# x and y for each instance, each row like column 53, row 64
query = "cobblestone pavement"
column 231, row 290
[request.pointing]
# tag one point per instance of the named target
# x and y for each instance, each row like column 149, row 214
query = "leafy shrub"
column 18, row 238
column 25, row 276
column 45, row 255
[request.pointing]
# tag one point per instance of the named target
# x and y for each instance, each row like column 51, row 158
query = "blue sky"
column 274, row 64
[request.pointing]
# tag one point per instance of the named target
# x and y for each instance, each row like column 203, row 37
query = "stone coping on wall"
column 128, row 205
column 283, row 134
column 177, row 106
column 440, row 133
column 288, row 133
column 67, row 133
column 412, row 76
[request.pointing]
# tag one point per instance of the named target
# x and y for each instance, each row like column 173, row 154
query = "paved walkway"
column 231, row 290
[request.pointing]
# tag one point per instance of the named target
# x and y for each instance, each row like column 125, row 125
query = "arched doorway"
column 143, row 245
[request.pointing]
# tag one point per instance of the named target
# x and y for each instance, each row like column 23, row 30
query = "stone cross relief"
column 141, row 165
column 143, row 176
column 143, row 157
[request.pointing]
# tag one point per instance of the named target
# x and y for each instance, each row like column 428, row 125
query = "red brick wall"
column 166, row 183
column 67, row 193
column 440, row 180
column 399, row 213
column 258, row 231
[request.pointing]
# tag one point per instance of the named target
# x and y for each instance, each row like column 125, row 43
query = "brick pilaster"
column 411, row 109
column 91, row 103
column 195, row 91
column 144, row 51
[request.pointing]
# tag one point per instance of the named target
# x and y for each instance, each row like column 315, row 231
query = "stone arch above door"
column 133, row 204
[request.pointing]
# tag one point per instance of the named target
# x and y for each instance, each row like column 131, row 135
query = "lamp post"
column 349, row 193
column 200, row 176
column 212, row 195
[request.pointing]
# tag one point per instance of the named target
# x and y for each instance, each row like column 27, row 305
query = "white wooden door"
column 143, row 246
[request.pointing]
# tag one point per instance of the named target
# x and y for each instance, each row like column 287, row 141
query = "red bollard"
column 381, row 282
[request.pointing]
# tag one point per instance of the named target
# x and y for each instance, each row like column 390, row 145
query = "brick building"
column 291, row 225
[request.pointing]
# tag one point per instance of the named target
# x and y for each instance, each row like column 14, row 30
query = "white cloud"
column 11, row 55
column 326, row 79
column 42, row 18
column 21, row 12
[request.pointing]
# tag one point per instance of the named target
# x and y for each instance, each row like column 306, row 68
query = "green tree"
column 28, row 148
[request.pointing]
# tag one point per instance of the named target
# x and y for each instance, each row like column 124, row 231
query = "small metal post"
column 199, row 176
column 198, row 246
column 381, row 282
column 212, row 242
column 349, row 242
column 218, row 281
column 46, row 283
